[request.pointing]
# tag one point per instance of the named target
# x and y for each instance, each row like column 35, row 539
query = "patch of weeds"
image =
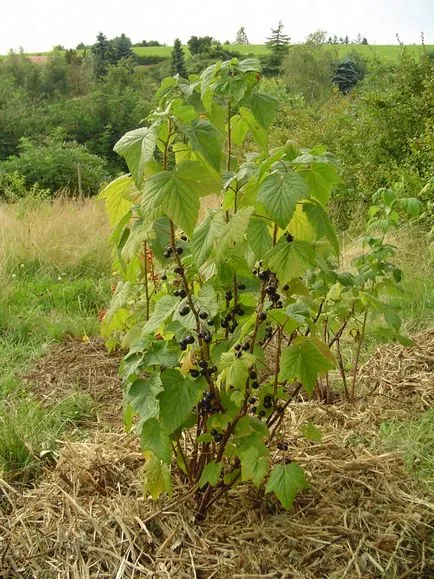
column 414, row 439
column 29, row 432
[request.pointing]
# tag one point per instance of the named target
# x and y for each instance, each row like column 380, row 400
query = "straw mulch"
column 362, row 516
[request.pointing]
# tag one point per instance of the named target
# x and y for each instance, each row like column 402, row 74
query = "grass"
column 55, row 275
column 414, row 439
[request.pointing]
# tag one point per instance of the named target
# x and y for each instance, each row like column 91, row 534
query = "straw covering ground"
column 363, row 515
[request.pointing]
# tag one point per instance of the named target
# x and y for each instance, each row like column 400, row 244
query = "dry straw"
column 363, row 517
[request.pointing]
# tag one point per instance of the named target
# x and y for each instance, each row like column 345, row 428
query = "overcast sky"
column 38, row 25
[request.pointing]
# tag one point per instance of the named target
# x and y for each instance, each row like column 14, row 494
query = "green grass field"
column 388, row 52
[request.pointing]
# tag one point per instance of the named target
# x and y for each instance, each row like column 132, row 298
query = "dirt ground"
column 362, row 517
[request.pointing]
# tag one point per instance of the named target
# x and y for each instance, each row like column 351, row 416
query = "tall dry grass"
column 54, row 236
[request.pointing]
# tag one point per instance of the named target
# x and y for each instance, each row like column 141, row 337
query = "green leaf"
column 258, row 237
column 253, row 466
column 116, row 196
column 160, row 354
column 235, row 230
column 154, row 437
column 311, row 432
column 259, row 134
column 285, row 482
column 142, row 396
column 205, row 235
column 280, row 193
column 304, row 360
column 137, row 147
column 177, row 399
column 157, row 477
column 177, row 192
column 207, row 140
column 239, row 130
column 321, row 223
column 264, row 108
column 235, row 370
column 119, row 299
column 289, row 260
column 165, row 306
column 412, row 206
column 321, row 177
column 211, row 474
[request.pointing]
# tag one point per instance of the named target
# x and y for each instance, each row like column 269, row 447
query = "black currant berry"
column 285, row 287
column 194, row 373
column 203, row 315
column 228, row 295
column 214, row 432
column 167, row 254
column 224, row 324
column 178, row 270
column 233, row 327
column 183, row 346
column 207, row 339
column 262, row 316
column 246, row 346
column 289, row 238
column 241, row 286
column 213, row 369
column 179, row 250
column 185, row 310
column 253, row 375
column 255, row 385
column 274, row 297
column 237, row 347
column 176, row 293
column 210, row 322
column 261, row 413
column 184, row 238
column 182, row 293
column 164, row 277
column 240, row 312
column 252, row 400
column 264, row 275
column 270, row 289
column 189, row 339
column 239, row 354
column 218, row 437
column 203, row 364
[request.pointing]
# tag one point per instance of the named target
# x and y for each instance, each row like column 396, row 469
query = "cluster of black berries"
column 268, row 401
column 282, row 445
column 240, row 348
column 169, row 251
column 205, row 369
column 229, row 323
column 185, row 342
column 254, row 380
column 209, row 403
column 216, row 435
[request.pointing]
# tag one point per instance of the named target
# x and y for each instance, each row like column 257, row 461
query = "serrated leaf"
column 142, row 396
column 321, row 177
column 177, row 192
column 116, row 196
column 119, row 299
column 155, row 437
column 289, row 260
column 165, row 307
column 321, row 224
column 211, row 474
column 304, row 360
column 258, row 237
column 260, row 135
column 205, row 235
column 285, row 482
column 239, row 130
column 157, row 477
column 254, row 467
column 177, row 398
column 235, row 370
column 207, row 140
column 280, row 193
column 264, row 108
column 235, row 230
column 311, row 432
column 137, row 147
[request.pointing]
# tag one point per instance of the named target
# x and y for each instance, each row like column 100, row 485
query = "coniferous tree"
column 241, row 37
column 278, row 43
column 178, row 62
column 102, row 53
column 121, row 47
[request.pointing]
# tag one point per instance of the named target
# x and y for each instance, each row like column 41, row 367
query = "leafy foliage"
column 202, row 300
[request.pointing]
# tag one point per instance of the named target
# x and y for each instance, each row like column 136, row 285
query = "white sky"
column 38, row 25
